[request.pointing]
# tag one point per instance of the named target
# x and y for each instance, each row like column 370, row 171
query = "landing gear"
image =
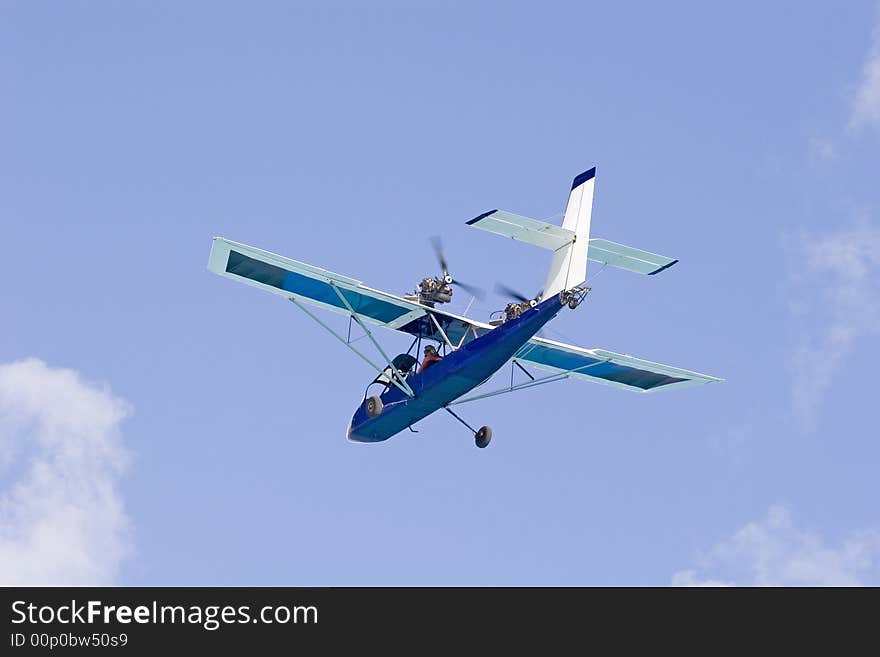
column 481, row 437
column 573, row 297
column 374, row 406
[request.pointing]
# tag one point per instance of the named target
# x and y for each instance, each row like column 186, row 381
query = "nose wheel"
column 373, row 406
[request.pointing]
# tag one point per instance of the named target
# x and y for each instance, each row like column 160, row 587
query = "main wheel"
column 483, row 437
column 374, row 406
column 573, row 303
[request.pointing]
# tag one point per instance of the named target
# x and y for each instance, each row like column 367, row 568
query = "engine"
column 435, row 290
column 438, row 289
column 514, row 309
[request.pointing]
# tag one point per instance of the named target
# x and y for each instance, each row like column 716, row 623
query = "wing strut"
column 398, row 380
column 405, row 386
column 443, row 333
column 456, row 416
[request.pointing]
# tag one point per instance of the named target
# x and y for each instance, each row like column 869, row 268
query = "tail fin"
column 571, row 242
column 569, row 266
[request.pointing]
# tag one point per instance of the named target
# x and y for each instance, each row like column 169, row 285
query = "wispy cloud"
column 866, row 102
column 62, row 519
column 773, row 552
column 840, row 282
column 838, row 271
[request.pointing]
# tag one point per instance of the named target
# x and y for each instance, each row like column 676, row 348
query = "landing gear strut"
column 481, row 437
column 573, row 297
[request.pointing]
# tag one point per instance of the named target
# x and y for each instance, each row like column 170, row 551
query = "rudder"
column 568, row 268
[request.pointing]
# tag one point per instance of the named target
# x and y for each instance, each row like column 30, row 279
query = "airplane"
column 473, row 350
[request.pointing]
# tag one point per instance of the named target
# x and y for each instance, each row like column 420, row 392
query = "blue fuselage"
column 458, row 373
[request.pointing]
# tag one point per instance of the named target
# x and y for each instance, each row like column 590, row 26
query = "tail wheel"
column 483, row 437
column 374, row 406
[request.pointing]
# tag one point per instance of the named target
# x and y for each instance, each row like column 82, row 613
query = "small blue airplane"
column 473, row 350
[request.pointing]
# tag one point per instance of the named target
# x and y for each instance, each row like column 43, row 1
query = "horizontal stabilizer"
column 626, row 257
column 523, row 229
column 607, row 367
column 548, row 236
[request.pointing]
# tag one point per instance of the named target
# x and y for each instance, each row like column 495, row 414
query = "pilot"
column 431, row 357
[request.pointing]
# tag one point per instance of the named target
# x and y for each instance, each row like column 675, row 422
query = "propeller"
column 444, row 265
column 519, row 296
column 438, row 251
column 478, row 292
column 503, row 290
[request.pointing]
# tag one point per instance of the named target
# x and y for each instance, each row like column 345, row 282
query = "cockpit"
column 404, row 364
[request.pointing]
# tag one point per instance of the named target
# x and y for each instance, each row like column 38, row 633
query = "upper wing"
column 607, row 367
column 314, row 285
column 290, row 278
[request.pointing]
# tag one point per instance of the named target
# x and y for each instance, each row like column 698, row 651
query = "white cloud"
column 866, row 103
column 841, row 285
column 773, row 552
column 61, row 514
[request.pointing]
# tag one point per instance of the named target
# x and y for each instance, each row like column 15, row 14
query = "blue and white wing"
column 316, row 286
column 607, row 367
column 290, row 278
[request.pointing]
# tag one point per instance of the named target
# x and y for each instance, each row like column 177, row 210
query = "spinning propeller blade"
column 438, row 251
column 519, row 296
column 437, row 243
column 473, row 289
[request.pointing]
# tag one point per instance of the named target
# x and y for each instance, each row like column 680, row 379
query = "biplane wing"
column 607, row 367
column 335, row 292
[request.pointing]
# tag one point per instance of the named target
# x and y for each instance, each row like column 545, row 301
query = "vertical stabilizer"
column 569, row 266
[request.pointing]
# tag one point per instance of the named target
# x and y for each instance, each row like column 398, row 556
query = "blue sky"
column 162, row 425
